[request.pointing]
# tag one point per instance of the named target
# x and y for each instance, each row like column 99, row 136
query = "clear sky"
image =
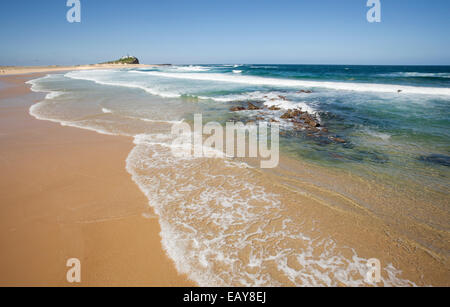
column 225, row 31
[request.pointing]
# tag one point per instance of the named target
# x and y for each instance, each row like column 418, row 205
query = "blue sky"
column 218, row 31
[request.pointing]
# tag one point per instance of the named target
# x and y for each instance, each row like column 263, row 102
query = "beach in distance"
column 362, row 174
column 19, row 70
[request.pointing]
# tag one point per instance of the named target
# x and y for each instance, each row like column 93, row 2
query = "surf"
column 342, row 86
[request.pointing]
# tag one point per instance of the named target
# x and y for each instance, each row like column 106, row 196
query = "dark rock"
column 305, row 117
column 337, row 156
column 324, row 141
column 338, row 140
column 304, row 92
column 290, row 114
column 436, row 159
column 297, row 113
column 251, row 106
column 314, row 129
column 135, row 61
column 299, row 125
column 274, row 108
column 287, row 115
column 313, row 123
column 236, row 109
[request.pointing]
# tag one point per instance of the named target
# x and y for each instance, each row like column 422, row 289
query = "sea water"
column 214, row 213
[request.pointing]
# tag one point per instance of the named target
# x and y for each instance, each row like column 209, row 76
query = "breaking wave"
column 346, row 86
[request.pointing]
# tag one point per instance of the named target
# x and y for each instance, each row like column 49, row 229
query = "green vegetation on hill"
column 125, row 60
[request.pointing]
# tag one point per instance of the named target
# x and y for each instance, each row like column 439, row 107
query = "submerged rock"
column 436, row 159
column 337, row 140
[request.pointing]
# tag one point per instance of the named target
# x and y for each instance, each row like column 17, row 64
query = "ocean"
column 381, row 155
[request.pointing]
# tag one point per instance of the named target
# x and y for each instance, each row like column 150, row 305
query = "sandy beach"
column 20, row 70
column 65, row 194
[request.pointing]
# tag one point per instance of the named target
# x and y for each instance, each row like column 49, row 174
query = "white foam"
column 209, row 215
column 190, row 68
column 376, row 134
column 53, row 95
column 89, row 76
column 416, row 74
column 269, row 99
column 35, row 81
column 36, row 108
column 158, row 120
column 345, row 86
column 35, row 87
column 34, row 111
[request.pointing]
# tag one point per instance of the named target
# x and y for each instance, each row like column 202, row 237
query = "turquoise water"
column 394, row 120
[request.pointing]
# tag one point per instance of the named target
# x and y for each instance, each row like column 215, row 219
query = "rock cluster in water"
column 301, row 120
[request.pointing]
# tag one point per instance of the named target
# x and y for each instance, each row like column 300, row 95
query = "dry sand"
column 65, row 193
column 20, row 70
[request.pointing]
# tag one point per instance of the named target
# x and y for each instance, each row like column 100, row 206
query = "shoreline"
column 69, row 196
column 22, row 70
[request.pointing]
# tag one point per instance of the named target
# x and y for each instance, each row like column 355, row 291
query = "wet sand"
column 65, row 193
